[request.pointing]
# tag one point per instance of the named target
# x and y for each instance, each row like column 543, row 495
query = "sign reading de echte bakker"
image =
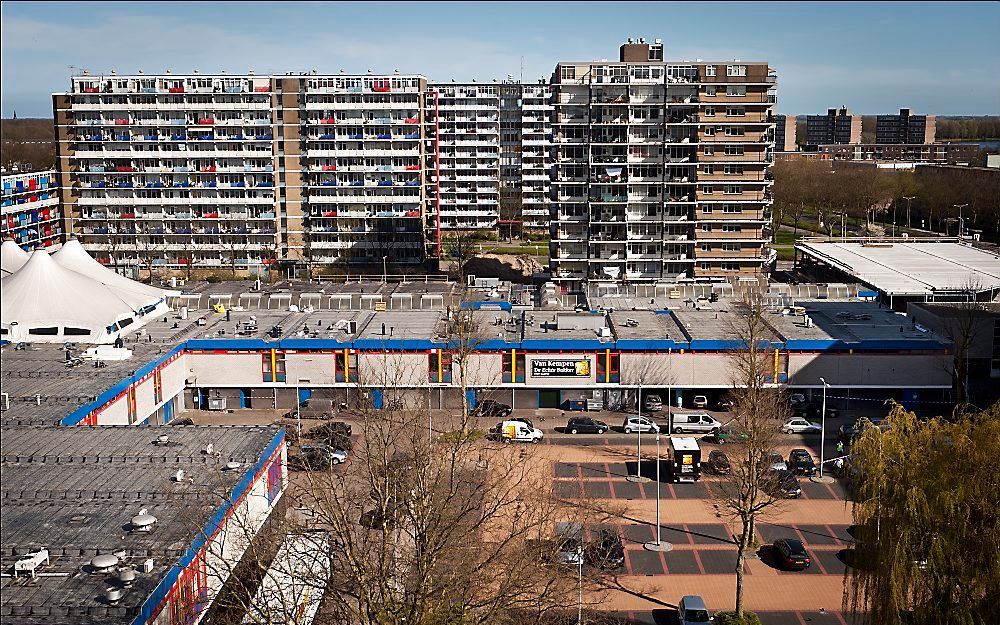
column 559, row 368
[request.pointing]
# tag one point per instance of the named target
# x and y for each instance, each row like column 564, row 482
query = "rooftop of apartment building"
column 120, row 509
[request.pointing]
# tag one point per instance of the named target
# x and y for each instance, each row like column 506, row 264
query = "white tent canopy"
column 45, row 302
column 72, row 256
column 12, row 257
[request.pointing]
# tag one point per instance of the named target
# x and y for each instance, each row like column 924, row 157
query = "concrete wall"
column 894, row 370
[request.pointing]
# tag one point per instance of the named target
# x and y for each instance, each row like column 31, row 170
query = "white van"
column 516, row 431
column 693, row 423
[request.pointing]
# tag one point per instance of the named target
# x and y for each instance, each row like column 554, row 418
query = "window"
column 735, row 131
column 608, row 366
column 709, row 131
column 567, row 72
column 133, row 408
column 708, row 169
column 732, row 208
column 346, row 366
column 706, row 247
column 708, row 189
column 736, row 90
column 707, row 210
column 710, row 70
column 706, row 227
column 734, row 150
column 736, row 70
column 733, row 169
column 439, row 367
column 708, row 150
column 733, row 189
column 273, row 366
column 730, row 228
column 735, row 111
column 730, row 266
column 709, row 111
column 711, row 90
column 730, row 247
column 157, row 386
column 513, row 366
column 706, row 266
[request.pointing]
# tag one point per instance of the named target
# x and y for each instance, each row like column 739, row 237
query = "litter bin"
column 576, row 405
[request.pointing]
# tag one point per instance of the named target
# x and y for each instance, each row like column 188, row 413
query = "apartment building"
column 170, row 171
column 462, row 157
column 525, row 156
column 784, row 133
column 905, row 128
column 661, row 168
column 362, row 157
column 838, row 126
column 30, row 214
column 242, row 172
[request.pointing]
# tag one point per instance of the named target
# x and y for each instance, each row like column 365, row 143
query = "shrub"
column 213, row 278
column 730, row 618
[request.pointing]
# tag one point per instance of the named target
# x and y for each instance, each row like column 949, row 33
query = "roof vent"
column 210, row 449
column 30, row 562
column 232, row 466
column 112, row 596
column 104, row 563
column 126, row 576
column 369, row 71
column 163, row 439
column 143, row 522
column 179, row 476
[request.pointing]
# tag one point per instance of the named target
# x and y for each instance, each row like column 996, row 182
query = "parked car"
column 792, row 554
column 652, row 403
column 775, row 462
column 691, row 610
column 586, row 425
column 337, row 434
column 727, row 434
column 796, row 399
column 800, row 461
column 513, row 431
column 491, row 408
column 786, row 484
column 814, row 410
column 718, row 463
column 607, row 551
column 321, row 456
column 700, row 401
column 639, row 424
column 798, row 425
column 693, row 422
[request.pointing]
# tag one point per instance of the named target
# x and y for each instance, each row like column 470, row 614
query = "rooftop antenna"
column 521, row 77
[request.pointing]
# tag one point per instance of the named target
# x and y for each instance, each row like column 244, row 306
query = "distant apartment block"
column 941, row 153
column 661, row 168
column 784, row 133
column 31, row 215
column 837, row 126
column 905, row 128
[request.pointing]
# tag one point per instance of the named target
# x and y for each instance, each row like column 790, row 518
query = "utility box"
column 217, row 403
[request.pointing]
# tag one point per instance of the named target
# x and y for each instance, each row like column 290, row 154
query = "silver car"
column 691, row 610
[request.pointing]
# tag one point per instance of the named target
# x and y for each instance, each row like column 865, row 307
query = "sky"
column 935, row 58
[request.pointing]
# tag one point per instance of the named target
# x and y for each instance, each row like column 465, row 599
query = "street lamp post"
column 385, row 271
column 658, row 545
column 961, row 220
column 579, row 604
column 822, row 438
column 638, row 477
column 908, row 198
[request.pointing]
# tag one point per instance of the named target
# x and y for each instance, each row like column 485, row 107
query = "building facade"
column 905, row 128
column 944, row 153
column 661, row 169
column 31, row 214
column 838, row 126
column 784, row 133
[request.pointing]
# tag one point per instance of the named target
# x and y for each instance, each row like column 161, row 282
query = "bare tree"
column 751, row 490
column 964, row 326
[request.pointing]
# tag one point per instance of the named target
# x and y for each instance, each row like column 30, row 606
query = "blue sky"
column 941, row 58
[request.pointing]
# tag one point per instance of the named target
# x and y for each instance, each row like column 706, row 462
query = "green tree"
column 927, row 518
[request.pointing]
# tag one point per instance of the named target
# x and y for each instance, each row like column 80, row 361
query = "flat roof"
column 74, row 491
column 909, row 268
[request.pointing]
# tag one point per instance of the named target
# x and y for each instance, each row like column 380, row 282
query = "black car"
column 718, row 463
column 792, row 554
column 786, row 484
column 800, row 461
column 814, row 410
column 607, row 552
column 586, row 425
column 490, row 408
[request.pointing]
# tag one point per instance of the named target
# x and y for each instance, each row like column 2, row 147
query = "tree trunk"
column 740, row 559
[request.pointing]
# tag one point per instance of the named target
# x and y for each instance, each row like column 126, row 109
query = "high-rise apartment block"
column 31, row 209
column 656, row 171
column 837, row 126
column 784, row 133
column 661, row 168
column 905, row 128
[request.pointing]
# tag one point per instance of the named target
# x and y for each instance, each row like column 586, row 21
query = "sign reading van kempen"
column 560, row 368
